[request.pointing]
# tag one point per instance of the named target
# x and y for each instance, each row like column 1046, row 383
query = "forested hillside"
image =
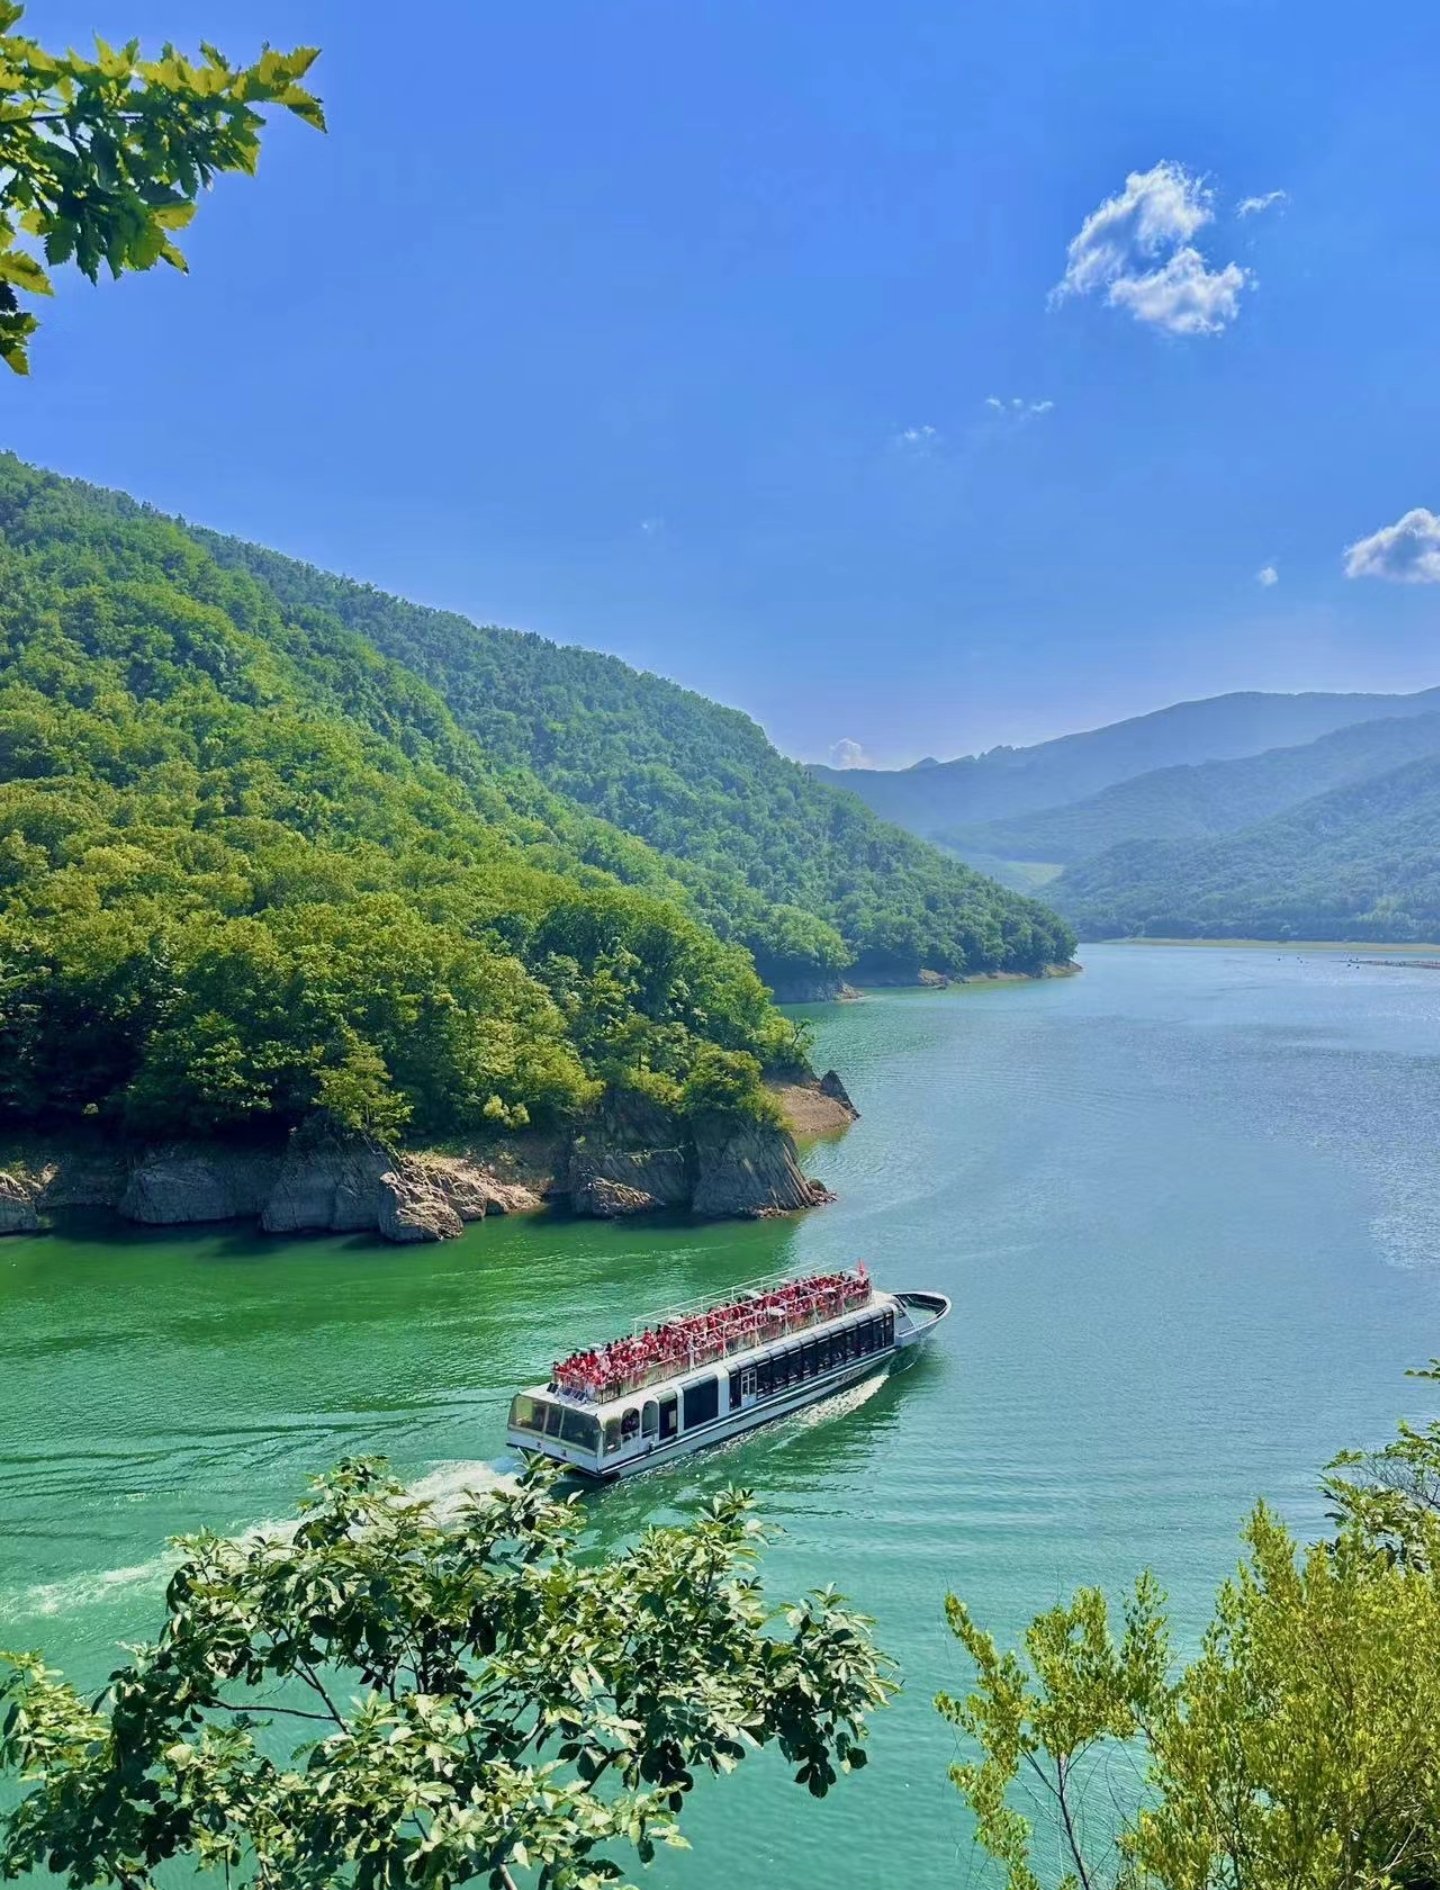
column 251, row 866
column 1360, row 862
column 936, row 797
column 1199, row 802
column 249, row 869
column 809, row 880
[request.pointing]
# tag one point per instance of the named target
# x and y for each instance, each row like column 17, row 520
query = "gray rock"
column 632, row 1150
column 326, row 1184
column 176, row 1185
column 413, row 1208
column 472, row 1191
column 609, row 1200
column 19, row 1213
column 830, row 1085
column 749, row 1168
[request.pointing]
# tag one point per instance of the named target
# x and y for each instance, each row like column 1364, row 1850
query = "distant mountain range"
column 935, row 796
column 1310, row 816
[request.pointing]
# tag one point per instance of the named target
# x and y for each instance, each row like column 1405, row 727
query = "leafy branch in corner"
column 102, row 159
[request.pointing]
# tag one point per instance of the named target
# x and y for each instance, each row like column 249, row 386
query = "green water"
column 1188, row 1206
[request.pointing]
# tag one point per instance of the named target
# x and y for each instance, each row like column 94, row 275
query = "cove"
column 1186, row 1204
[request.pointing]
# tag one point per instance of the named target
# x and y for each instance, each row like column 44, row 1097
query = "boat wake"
column 446, row 1486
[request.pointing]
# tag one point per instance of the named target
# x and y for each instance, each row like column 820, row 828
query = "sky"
column 915, row 378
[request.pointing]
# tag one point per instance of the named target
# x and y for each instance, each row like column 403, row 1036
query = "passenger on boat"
column 609, row 1371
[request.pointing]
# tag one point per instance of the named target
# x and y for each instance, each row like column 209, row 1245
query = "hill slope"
column 1203, row 801
column 937, row 797
column 251, row 870
column 808, row 880
column 1360, row 862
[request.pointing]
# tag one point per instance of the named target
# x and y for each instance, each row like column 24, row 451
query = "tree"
column 1301, row 1748
column 102, row 159
column 478, row 1700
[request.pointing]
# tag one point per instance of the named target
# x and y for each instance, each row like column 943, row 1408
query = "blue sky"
column 669, row 327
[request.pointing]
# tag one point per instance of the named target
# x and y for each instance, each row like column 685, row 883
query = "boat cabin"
column 726, row 1396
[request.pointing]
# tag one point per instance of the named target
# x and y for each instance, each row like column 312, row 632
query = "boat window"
column 612, row 1435
column 528, row 1414
column 580, row 1429
column 747, row 1381
column 887, row 1329
column 648, row 1419
column 763, row 1371
column 702, row 1402
column 734, row 1391
column 811, row 1359
column 668, row 1419
column 553, row 1414
column 630, row 1424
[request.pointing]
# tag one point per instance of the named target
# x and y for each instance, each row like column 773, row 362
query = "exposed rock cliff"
column 632, row 1158
column 18, row 1211
column 749, row 1168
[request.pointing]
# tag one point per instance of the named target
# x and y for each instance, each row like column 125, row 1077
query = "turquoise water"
column 1188, row 1206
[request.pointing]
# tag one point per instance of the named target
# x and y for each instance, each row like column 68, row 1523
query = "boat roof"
column 731, row 1361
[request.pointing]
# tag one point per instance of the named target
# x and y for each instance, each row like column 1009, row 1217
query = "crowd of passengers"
column 610, row 1371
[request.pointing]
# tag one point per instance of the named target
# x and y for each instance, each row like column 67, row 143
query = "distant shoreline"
column 1350, row 946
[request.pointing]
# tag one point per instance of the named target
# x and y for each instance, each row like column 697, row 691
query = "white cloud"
column 848, row 754
column 1267, row 575
column 1136, row 248
column 652, row 526
column 1021, row 409
column 1252, row 206
column 1407, row 552
column 1183, row 297
column 918, row 436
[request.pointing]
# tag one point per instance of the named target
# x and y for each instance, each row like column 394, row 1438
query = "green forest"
column 1356, row 863
column 259, row 869
column 809, row 880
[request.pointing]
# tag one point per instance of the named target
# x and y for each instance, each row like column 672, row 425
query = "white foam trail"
column 841, row 1404
column 448, row 1484
column 83, row 1591
column 446, row 1487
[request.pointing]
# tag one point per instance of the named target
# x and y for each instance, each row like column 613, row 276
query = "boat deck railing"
column 769, row 1325
column 712, row 1302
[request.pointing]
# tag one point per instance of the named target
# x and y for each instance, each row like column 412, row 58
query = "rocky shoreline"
column 628, row 1160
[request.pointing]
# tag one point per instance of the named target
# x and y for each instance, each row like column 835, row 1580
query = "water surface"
column 1188, row 1206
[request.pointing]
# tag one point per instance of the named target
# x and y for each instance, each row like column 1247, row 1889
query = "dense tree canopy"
column 102, row 158
column 809, row 880
column 257, row 872
column 477, row 1701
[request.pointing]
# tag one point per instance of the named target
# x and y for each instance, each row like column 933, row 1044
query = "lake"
column 1188, row 1206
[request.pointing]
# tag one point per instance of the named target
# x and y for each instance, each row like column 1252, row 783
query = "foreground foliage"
column 475, row 1700
column 258, row 871
column 1300, row 1749
column 102, row 158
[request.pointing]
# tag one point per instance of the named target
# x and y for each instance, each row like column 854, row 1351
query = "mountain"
column 1359, row 862
column 253, row 868
column 937, row 797
column 809, row 881
column 1199, row 801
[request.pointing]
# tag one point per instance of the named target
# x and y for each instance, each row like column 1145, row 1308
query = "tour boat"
column 708, row 1372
